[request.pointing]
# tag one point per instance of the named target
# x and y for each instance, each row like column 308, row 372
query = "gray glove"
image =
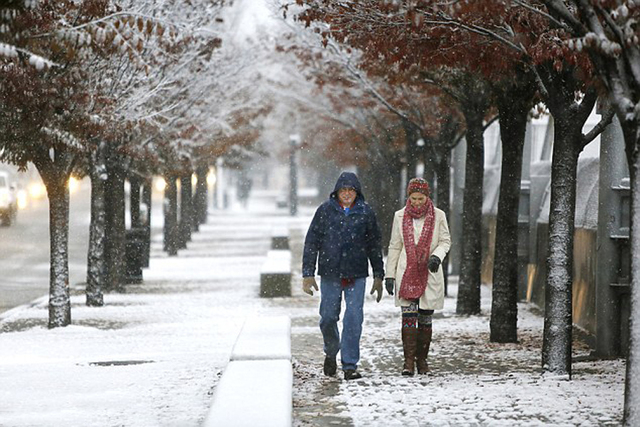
column 308, row 283
column 377, row 287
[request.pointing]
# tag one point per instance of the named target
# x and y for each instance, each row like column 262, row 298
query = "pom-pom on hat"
column 418, row 185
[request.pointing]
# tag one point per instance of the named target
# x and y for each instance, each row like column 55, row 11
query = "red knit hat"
column 418, row 185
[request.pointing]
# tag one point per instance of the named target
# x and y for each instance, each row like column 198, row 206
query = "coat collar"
column 358, row 205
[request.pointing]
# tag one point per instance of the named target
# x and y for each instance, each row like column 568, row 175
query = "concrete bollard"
column 275, row 275
column 280, row 238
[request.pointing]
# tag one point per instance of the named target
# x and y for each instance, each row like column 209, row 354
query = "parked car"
column 8, row 200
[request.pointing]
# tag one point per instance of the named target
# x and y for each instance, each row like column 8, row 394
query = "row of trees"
column 117, row 90
column 440, row 69
column 121, row 90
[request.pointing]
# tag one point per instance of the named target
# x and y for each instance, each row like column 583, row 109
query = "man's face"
column 346, row 196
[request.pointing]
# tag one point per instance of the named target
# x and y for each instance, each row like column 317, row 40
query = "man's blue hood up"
column 347, row 179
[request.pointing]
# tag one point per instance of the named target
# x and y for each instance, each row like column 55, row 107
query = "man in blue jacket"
column 343, row 238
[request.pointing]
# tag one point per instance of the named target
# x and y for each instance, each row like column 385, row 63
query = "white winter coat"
column 433, row 296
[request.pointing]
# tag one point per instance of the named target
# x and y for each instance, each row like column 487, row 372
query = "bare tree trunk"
column 381, row 185
column 171, row 216
column 442, row 172
column 134, row 201
column 186, row 210
column 54, row 168
column 430, row 164
column 412, row 134
column 631, row 417
column 59, row 299
column 201, row 196
column 623, row 85
column 556, row 346
column 115, row 225
column 95, row 256
column 504, row 305
column 569, row 118
column 469, row 285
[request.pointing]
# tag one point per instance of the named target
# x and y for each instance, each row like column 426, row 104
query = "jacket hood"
column 347, row 179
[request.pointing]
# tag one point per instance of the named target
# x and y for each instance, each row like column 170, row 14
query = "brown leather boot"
column 424, row 342
column 409, row 345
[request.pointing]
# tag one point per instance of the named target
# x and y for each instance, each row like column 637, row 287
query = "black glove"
column 434, row 263
column 390, row 284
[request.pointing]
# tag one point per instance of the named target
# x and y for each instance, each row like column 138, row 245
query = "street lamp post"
column 294, row 143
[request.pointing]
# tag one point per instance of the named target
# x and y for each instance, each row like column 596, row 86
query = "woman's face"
column 346, row 196
column 417, row 199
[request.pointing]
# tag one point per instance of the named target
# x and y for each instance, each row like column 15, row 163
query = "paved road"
column 24, row 249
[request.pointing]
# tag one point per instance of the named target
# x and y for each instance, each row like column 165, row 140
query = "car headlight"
column 22, row 199
column 37, row 190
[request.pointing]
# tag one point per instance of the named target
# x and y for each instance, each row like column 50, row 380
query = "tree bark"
column 95, row 256
column 442, row 172
column 171, row 216
column 134, row 201
column 556, row 345
column 468, row 302
column 186, row 210
column 631, row 132
column 201, row 196
column 623, row 87
column 504, row 306
column 59, row 299
column 412, row 134
column 54, row 168
column 632, row 380
column 569, row 118
column 115, row 245
column 430, row 164
column 381, row 184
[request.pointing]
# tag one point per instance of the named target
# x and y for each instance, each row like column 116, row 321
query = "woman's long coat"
column 433, row 296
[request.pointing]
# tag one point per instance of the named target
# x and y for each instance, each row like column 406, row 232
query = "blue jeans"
column 331, row 292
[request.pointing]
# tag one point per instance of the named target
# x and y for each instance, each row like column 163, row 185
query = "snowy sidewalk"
column 472, row 381
column 152, row 356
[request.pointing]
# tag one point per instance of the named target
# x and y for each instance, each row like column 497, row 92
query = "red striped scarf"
column 416, row 276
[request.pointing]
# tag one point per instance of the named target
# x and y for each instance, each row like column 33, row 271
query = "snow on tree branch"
column 62, row 137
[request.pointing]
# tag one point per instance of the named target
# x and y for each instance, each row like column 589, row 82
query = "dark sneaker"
column 330, row 366
column 351, row 374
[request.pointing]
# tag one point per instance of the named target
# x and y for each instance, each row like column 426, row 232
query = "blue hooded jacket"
column 342, row 242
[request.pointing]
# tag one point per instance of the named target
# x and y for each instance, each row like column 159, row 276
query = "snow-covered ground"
column 152, row 356
column 472, row 381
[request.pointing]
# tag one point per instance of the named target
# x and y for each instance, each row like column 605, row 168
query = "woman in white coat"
column 419, row 242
